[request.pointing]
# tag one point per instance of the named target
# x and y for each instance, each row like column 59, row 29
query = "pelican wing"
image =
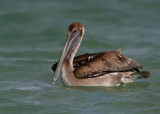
column 105, row 62
column 82, row 59
column 79, row 60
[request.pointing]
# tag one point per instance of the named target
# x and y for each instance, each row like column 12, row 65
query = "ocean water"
column 32, row 36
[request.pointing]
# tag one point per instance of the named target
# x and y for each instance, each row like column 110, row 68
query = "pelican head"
column 75, row 34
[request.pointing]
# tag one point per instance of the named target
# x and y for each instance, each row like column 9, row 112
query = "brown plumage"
column 98, row 64
column 99, row 69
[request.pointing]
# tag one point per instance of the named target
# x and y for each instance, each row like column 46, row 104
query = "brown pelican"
column 109, row 68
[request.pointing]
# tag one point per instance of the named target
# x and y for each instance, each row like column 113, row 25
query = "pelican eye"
column 74, row 31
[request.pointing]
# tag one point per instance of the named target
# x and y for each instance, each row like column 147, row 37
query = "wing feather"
column 97, row 64
column 79, row 60
column 111, row 61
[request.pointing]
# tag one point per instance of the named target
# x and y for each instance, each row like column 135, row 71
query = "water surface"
column 32, row 35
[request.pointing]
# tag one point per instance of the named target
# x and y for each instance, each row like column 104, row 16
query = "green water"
column 32, row 35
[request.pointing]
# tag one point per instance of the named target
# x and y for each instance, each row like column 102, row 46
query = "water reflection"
column 119, row 89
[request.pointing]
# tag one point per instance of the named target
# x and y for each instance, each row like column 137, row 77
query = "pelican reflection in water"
column 109, row 68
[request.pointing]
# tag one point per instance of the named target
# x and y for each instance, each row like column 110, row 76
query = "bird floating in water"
column 109, row 68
